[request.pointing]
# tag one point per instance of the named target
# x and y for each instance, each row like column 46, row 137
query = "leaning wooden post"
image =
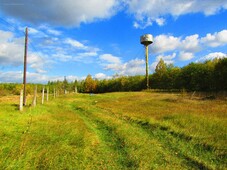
column 21, row 100
column 35, row 95
column 43, row 96
column 47, row 94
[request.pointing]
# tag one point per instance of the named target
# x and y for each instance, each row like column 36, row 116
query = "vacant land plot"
column 114, row 131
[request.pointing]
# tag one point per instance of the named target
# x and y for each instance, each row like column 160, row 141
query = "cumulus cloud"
column 101, row 76
column 11, row 49
column 163, row 43
column 212, row 56
column 12, row 53
column 58, row 12
column 166, row 43
column 132, row 67
column 73, row 13
column 148, row 11
column 110, row 58
column 17, row 76
column 167, row 59
column 185, row 56
column 216, row 39
column 190, row 43
column 11, row 76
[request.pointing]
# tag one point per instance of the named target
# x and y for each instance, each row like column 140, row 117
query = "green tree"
column 159, row 77
column 90, row 84
column 220, row 74
column 161, row 67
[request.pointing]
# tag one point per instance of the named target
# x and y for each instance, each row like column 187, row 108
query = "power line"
column 5, row 22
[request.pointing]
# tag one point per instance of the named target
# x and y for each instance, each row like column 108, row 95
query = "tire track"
column 139, row 149
column 167, row 137
column 108, row 136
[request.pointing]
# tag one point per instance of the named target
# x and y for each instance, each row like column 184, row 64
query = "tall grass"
column 140, row 130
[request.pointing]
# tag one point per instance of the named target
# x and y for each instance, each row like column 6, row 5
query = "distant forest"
column 207, row 76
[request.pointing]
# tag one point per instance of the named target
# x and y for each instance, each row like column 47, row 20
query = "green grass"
column 141, row 130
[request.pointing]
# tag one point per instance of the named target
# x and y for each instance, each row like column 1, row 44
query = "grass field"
column 135, row 130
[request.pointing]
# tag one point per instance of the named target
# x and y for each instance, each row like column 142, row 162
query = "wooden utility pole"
column 25, row 65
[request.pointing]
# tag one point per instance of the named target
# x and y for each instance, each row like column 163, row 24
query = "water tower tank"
column 146, row 39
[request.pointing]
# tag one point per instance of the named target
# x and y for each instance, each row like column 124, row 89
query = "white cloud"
column 87, row 54
column 216, row 39
column 110, row 58
column 5, row 36
column 148, row 11
column 183, row 56
column 49, row 30
column 17, row 77
column 160, row 21
column 67, row 12
column 12, row 53
column 54, row 32
column 101, row 76
column 136, row 25
column 191, row 43
column 132, row 67
column 62, row 57
column 38, row 62
column 75, row 43
column 163, row 43
column 33, row 32
column 11, row 49
column 11, row 76
column 167, row 58
column 212, row 56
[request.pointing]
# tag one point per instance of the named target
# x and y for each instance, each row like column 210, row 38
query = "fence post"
column 43, row 96
column 75, row 89
column 21, row 100
column 35, row 94
column 47, row 94
column 54, row 93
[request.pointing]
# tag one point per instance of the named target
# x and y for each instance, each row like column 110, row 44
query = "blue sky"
column 75, row 38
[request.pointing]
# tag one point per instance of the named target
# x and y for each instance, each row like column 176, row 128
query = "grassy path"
column 115, row 131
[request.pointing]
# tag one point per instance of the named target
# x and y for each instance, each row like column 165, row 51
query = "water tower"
column 146, row 40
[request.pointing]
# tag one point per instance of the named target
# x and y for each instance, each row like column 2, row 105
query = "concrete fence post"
column 21, row 100
column 47, row 94
column 35, row 95
column 43, row 95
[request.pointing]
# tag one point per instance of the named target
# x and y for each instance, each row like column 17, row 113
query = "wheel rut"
column 109, row 137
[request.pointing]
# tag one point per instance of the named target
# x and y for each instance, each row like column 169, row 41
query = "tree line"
column 210, row 75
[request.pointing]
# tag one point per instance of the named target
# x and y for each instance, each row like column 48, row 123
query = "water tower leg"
column 147, row 73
